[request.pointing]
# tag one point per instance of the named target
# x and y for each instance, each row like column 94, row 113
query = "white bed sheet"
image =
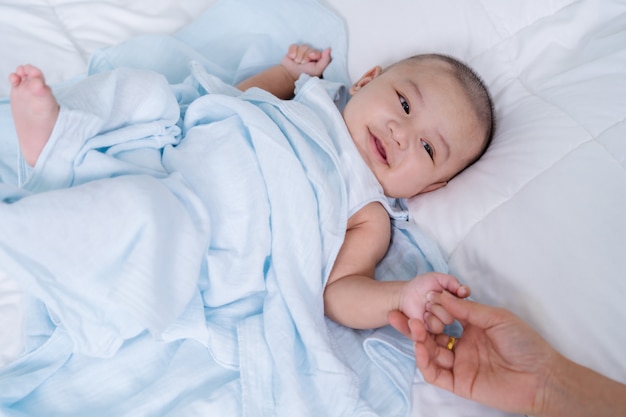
column 537, row 225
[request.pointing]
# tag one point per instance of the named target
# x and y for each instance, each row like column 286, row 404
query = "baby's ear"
column 365, row 79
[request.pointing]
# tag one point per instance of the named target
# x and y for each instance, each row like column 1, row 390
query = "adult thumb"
column 468, row 312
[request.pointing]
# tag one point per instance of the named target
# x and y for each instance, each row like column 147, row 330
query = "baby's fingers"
column 297, row 53
column 302, row 54
column 324, row 56
column 313, row 55
column 14, row 79
column 292, row 51
column 433, row 324
column 463, row 291
column 305, row 55
column 437, row 317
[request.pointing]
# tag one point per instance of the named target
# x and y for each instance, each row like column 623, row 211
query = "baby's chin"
column 391, row 192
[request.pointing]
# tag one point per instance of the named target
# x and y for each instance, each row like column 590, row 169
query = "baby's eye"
column 428, row 148
column 404, row 104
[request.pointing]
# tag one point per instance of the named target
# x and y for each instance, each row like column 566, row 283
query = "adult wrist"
column 554, row 390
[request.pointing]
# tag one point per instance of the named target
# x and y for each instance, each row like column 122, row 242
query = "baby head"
column 419, row 122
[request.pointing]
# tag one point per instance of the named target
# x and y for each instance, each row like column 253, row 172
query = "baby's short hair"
column 474, row 87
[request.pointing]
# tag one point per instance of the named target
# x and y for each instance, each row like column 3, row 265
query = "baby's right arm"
column 354, row 298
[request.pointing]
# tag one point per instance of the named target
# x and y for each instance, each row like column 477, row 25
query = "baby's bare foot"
column 35, row 110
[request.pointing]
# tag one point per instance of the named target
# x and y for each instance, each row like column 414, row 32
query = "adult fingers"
column 400, row 322
column 435, row 362
column 469, row 312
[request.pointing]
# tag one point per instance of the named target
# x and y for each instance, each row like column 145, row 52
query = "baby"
column 415, row 125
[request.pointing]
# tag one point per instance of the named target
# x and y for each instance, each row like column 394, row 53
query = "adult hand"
column 499, row 361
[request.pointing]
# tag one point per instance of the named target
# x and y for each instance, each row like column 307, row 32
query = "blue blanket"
column 172, row 276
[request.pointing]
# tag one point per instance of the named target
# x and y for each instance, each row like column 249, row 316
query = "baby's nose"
column 403, row 136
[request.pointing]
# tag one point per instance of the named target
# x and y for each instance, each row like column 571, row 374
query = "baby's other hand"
column 421, row 295
column 304, row 59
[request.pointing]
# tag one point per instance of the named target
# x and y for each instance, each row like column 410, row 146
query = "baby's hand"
column 303, row 59
column 420, row 299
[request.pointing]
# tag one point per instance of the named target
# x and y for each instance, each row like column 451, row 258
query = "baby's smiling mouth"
column 379, row 148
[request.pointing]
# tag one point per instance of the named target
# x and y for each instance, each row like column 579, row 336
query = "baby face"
column 413, row 125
